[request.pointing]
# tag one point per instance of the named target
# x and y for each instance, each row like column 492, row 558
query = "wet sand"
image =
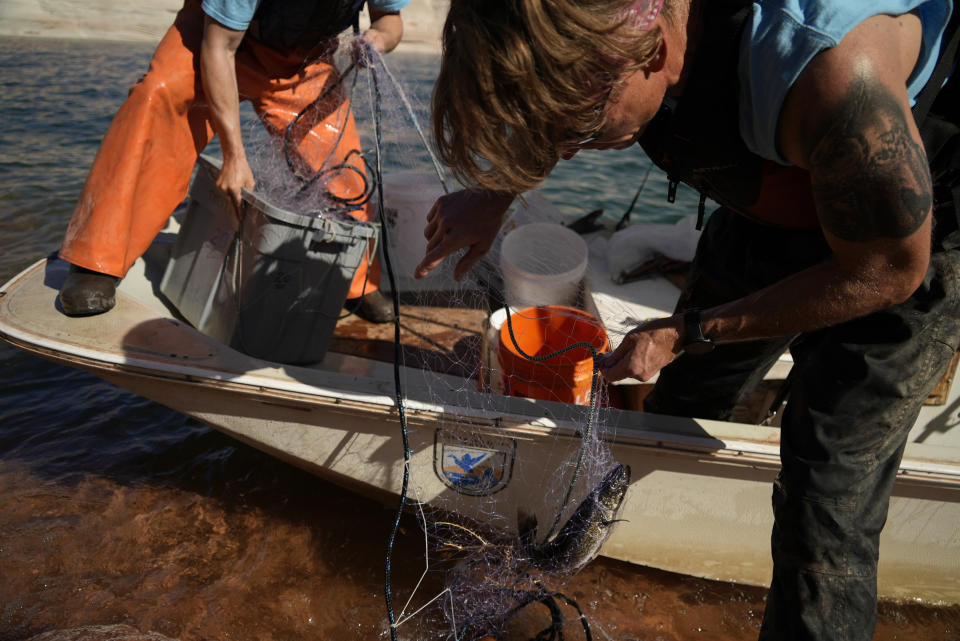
column 99, row 633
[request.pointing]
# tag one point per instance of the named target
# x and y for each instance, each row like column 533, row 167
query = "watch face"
column 697, row 347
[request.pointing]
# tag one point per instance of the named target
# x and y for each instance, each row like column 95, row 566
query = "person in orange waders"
column 278, row 54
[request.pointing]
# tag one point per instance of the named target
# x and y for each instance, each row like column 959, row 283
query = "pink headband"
column 643, row 13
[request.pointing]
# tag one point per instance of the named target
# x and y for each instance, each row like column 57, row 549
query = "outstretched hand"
column 644, row 351
column 469, row 218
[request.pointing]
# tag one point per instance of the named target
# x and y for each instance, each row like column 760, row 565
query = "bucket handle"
column 314, row 243
column 237, row 255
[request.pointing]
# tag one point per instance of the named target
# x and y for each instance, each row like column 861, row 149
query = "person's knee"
column 823, row 535
column 162, row 90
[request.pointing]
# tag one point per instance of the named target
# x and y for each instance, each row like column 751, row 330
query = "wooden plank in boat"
column 942, row 390
column 447, row 340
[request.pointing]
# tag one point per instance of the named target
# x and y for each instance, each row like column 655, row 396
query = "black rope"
column 346, row 205
column 388, row 590
column 288, row 130
column 580, row 614
column 352, row 204
column 588, row 430
column 377, row 170
column 554, row 631
column 355, row 202
column 626, row 216
column 398, row 388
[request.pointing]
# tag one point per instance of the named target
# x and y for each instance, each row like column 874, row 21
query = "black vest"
column 300, row 25
column 698, row 141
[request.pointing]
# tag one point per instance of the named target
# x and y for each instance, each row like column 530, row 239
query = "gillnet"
column 504, row 444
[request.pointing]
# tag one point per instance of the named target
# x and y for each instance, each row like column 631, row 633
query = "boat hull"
column 699, row 499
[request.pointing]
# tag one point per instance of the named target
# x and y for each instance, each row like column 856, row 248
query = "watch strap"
column 694, row 342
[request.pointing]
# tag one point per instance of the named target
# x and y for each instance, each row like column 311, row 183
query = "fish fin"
column 526, row 526
column 588, row 223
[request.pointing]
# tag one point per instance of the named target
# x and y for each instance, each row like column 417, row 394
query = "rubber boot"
column 374, row 307
column 86, row 292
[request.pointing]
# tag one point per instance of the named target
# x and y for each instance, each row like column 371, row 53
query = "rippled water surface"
column 117, row 510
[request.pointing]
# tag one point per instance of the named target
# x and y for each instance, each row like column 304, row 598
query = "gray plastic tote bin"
column 272, row 285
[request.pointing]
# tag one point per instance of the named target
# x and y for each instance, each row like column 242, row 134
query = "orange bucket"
column 544, row 330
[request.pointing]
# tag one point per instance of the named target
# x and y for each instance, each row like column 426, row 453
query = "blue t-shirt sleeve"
column 233, row 14
column 782, row 36
column 388, row 5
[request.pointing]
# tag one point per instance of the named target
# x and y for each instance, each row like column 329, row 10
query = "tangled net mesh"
column 469, row 477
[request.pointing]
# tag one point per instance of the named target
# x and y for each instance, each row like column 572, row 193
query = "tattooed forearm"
column 870, row 178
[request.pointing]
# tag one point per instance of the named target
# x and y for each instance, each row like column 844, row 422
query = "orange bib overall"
column 142, row 170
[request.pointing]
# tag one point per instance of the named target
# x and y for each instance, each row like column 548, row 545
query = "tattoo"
column 870, row 178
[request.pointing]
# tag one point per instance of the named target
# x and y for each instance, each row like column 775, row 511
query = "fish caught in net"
column 509, row 510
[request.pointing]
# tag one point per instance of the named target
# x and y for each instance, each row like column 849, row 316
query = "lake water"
column 116, row 510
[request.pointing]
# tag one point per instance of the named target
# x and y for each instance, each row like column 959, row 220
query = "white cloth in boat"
column 640, row 243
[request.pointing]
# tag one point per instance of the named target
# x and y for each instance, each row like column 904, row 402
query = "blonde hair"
column 520, row 79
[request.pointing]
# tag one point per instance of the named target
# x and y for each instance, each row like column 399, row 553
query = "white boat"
column 699, row 500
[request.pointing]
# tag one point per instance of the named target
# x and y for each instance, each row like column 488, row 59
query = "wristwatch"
column 694, row 342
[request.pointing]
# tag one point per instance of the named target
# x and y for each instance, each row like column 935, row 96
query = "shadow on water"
column 128, row 512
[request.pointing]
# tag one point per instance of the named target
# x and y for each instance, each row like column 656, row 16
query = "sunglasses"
column 643, row 13
column 602, row 98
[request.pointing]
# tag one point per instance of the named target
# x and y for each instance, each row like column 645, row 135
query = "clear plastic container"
column 542, row 264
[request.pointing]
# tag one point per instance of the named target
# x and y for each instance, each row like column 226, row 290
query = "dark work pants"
column 855, row 392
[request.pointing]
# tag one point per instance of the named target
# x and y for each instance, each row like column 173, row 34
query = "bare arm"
column 385, row 32
column 219, row 76
column 848, row 121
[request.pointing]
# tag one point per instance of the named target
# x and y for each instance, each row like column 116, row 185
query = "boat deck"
column 446, row 340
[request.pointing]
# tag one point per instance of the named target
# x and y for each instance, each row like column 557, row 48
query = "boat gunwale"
column 727, row 451
column 762, row 453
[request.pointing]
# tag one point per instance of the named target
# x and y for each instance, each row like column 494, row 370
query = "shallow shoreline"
column 147, row 21
column 407, row 46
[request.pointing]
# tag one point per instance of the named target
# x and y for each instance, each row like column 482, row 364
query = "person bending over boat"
column 836, row 234
column 278, row 54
